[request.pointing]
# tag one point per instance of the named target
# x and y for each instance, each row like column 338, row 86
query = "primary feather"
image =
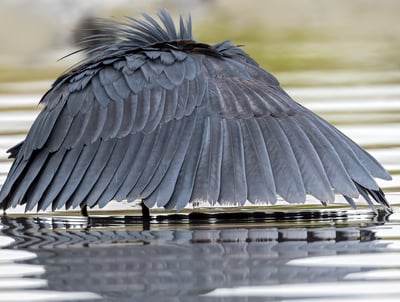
column 153, row 114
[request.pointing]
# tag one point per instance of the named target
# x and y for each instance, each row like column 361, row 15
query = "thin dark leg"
column 145, row 217
column 84, row 211
column 145, row 211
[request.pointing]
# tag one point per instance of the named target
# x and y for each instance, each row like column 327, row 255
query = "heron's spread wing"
column 89, row 119
column 304, row 153
column 173, row 127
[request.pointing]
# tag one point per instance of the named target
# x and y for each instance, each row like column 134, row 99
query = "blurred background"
column 359, row 39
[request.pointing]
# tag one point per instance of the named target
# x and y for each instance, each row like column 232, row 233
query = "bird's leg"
column 145, row 211
column 84, row 211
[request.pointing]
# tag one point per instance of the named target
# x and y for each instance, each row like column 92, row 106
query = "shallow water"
column 276, row 254
column 351, row 256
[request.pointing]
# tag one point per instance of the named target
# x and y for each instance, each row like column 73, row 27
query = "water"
column 306, row 253
column 352, row 256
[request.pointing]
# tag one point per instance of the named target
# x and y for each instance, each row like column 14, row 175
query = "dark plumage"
column 156, row 115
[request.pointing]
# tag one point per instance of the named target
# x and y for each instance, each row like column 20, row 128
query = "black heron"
column 155, row 115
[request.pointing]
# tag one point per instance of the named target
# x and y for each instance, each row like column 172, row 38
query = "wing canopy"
column 173, row 127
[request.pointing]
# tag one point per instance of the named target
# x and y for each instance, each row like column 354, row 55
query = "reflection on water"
column 22, row 280
column 196, row 261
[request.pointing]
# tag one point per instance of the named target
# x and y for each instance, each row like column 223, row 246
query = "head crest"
column 136, row 33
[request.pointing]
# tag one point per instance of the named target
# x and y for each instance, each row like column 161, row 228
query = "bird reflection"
column 180, row 260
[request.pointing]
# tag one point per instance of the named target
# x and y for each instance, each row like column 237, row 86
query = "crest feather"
column 137, row 33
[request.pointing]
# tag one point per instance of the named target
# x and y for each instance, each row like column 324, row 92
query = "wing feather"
column 364, row 194
column 185, row 184
column 12, row 181
column 164, row 82
column 61, row 177
column 138, row 165
column 161, row 186
column 76, row 100
column 233, row 171
column 142, row 110
column 208, row 177
column 17, row 195
column 169, row 148
column 263, row 99
column 153, row 160
column 287, row 176
column 121, row 87
column 175, row 72
column 157, row 104
column 99, row 92
column 354, row 167
column 335, row 170
column 373, row 166
column 259, row 178
column 115, row 111
column 59, row 131
column 241, row 100
column 166, row 58
column 154, row 65
column 148, row 73
column 171, row 103
column 197, row 91
column 135, row 80
column 222, row 96
column 93, row 173
column 191, row 68
column 97, row 120
column 37, row 138
column 259, row 106
column 78, row 127
column 41, row 129
column 314, row 177
column 83, row 162
column 128, row 115
column 41, row 183
column 108, row 77
column 122, row 172
column 183, row 95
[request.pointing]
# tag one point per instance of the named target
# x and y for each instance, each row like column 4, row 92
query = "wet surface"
column 121, row 259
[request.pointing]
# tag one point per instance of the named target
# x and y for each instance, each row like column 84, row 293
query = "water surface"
column 349, row 255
